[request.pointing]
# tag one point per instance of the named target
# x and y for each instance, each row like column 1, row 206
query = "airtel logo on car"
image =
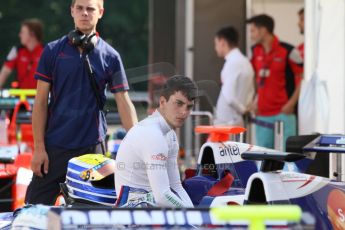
column 229, row 150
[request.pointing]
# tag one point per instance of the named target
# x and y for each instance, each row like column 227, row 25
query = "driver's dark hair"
column 179, row 83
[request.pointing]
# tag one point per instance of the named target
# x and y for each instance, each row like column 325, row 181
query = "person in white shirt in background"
column 237, row 78
column 147, row 169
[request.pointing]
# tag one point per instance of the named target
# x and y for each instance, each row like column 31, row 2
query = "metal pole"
column 339, row 167
column 279, row 135
column 238, row 137
column 336, row 166
column 248, row 126
column 197, row 142
column 203, row 113
column 249, row 10
column 342, row 155
column 197, row 114
column 241, row 138
column 189, row 71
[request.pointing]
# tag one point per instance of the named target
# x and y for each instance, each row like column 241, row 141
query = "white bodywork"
column 278, row 186
column 286, row 185
column 229, row 152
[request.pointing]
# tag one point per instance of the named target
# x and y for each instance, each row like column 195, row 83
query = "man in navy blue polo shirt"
column 72, row 124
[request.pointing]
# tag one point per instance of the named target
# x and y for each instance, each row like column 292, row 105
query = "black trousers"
column 45, row 190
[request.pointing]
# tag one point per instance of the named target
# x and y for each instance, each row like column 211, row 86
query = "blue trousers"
column 265, row 136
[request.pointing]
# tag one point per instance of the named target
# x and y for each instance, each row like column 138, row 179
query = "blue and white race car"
column 258, row 177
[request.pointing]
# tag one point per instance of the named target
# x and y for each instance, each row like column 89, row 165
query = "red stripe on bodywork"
column 308, row 181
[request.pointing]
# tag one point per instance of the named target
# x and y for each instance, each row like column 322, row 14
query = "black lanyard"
column 95, row 89
column 92, row 78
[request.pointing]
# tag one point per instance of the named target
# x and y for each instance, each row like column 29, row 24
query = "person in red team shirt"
column 24, row 58
column 278, row 68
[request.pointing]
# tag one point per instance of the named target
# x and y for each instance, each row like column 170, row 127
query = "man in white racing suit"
column 146, row 162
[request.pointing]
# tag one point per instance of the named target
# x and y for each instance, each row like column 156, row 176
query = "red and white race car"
column 16, row 147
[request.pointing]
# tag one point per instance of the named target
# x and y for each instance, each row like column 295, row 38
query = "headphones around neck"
column 85, row 42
